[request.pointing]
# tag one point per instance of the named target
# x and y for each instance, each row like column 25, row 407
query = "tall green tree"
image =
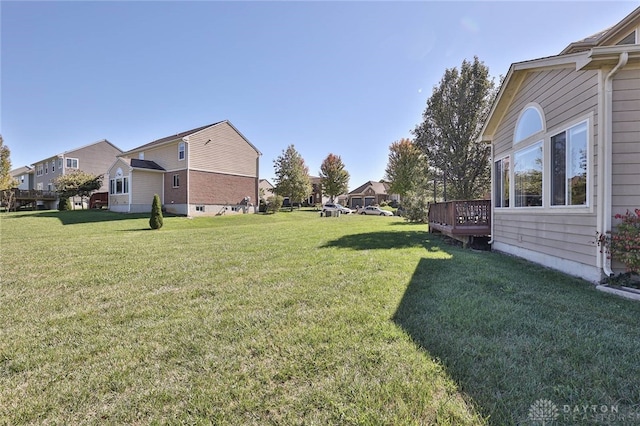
column 334, row 178
column 7, row 182
column 451, row 126
column 77, row 183
column 406, row 167
column 292, row 176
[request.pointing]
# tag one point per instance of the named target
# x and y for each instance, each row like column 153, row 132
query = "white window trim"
column 587, row 208
column 535, row 136
column 546, row 170
column 511, row 188
column 77, row 166
column 182, row 148
column 173, row 181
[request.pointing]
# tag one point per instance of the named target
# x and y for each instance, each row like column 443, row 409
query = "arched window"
column 530, row 122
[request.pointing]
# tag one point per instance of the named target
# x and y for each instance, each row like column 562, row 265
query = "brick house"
column 209, row 170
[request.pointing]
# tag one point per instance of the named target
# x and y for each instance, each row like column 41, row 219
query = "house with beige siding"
column 565, row 140
column 210, row 170
column 94, row 158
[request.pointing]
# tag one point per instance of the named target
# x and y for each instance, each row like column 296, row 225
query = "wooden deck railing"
column 33, row 194
column 463, row 218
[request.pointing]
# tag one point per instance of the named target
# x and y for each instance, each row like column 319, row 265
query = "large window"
column 181, row 151
column 527, row 174
column 569, row 167
column 120, row 184
column 501, row 179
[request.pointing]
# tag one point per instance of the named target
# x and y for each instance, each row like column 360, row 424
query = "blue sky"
column 347, row 78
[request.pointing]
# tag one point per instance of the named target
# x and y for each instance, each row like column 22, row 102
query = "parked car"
column 375, row 211
column 335, row 207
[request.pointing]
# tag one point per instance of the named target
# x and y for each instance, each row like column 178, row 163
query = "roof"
column 62, row 154
column 178, row 136
column 590, row 53
column 21, row 170
column 172, row 138
column 622, row 28
column 378, row 187
column 144, row 164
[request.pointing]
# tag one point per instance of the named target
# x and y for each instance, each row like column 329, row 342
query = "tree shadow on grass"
column 384, row 240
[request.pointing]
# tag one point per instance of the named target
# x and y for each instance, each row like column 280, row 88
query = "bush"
column 274, row 203
column 156, row 220
column 64, row 204
column 262, row 207
column 415, row 207
column 383, row 204
column 624, row 244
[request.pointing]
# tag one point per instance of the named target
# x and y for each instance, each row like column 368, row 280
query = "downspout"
column 605, row 177
column 492, row 207
column 187, row 155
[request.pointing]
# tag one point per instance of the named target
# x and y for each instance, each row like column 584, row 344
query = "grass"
column 291, row 319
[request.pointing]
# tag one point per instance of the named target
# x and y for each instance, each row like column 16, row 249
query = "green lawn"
column 293, row 318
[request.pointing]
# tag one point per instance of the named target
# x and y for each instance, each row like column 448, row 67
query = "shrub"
column 156, row 220
column 415, row 207
column 274, row 203
column 624, row 244
column 383, row 204
column 64, row 204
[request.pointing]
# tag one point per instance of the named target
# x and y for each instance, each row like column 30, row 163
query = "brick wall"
column 175, row 195
column 218, row 188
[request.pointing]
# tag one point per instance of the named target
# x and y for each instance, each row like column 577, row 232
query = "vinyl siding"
column 144, row 185
column 221, row 149
column 626, row 141
column 94, row 159
column 565, row 96
column 166, row 156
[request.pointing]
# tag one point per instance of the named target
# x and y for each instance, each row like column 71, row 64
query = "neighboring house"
column 565, row 138
column 94, row 158
column 24, row 175
column 265, row 189
column 370, row 193
column 209, row 170
column 316, row 196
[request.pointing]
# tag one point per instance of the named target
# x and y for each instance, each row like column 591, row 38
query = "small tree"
column 7, row 182
column 333, row 176
column 274, row 203
column 77, row 183
column 64, row 204
column 407, row 167
column 156, row 220
column 292, row 176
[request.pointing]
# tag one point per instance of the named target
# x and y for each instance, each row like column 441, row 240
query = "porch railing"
column 462, row 217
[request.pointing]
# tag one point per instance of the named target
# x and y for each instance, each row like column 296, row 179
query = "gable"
column 222, row 149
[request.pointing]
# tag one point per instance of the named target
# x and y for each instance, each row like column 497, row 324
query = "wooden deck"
column 461, row 220
column 26, row 197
